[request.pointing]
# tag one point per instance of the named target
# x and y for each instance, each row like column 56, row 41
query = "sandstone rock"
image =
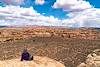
column 93, row 59
column 37, row 62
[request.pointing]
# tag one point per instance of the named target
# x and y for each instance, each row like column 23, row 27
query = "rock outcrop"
column 93, row 60
column 26, row 33
column 37, row 62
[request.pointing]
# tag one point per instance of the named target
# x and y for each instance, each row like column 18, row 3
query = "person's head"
column 25, row 50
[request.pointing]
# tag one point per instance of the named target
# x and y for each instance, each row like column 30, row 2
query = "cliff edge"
column 37, row 62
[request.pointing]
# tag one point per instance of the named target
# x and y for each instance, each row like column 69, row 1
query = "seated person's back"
column 26, row 56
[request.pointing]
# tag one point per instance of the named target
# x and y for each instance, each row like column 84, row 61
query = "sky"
column 67, row 13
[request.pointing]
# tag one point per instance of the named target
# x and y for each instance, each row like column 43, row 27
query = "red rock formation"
column 25, row 33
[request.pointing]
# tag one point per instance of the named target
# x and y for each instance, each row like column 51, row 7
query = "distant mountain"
column 35, row 26
column 43, row 27
column 3, row 26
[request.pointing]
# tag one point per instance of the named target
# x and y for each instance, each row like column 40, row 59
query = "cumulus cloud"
column 12, row 2
column 81, row 13
column 24, row 16
column 72, row 5
column 28, row 16
column 40, row 2
column 87, row 18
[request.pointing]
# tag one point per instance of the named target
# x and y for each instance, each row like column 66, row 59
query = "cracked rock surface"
column 93, row 59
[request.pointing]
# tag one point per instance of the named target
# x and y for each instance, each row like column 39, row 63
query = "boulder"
column 93, row 60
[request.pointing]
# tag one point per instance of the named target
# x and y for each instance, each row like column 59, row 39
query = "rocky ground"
column 93, row 59
column 37, row 62
column 65, row 49
column 70, row 52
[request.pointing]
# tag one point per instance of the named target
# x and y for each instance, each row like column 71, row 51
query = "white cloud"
column 81, row 13
column 12, row 2
column 24, row 16
column 40, row 2
column 28, row 16
column 87, row 18
column 72, row 5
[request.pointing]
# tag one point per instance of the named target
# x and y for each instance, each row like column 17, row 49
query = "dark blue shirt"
column 25, row 56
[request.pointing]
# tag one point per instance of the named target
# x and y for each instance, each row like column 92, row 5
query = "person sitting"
column 26, row 56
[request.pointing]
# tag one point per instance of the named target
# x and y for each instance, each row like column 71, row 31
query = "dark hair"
column 25, row 50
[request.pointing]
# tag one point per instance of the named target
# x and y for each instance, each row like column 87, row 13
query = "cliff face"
column 93, row 60
column 37, row 62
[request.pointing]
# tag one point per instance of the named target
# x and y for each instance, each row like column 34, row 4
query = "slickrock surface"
column 37, row 62
column 93, row 60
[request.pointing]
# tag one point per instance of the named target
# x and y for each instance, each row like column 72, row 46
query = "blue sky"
column 95, row 3
column 47, row 10
column 59, row 13
column 59, row 10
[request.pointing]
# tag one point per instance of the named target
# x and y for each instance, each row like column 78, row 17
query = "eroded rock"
column 93, row 59
column 37, row 62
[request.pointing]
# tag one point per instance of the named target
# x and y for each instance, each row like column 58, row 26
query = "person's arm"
column 22, row 57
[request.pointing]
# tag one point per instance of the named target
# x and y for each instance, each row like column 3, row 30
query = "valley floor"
column 70, row 52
